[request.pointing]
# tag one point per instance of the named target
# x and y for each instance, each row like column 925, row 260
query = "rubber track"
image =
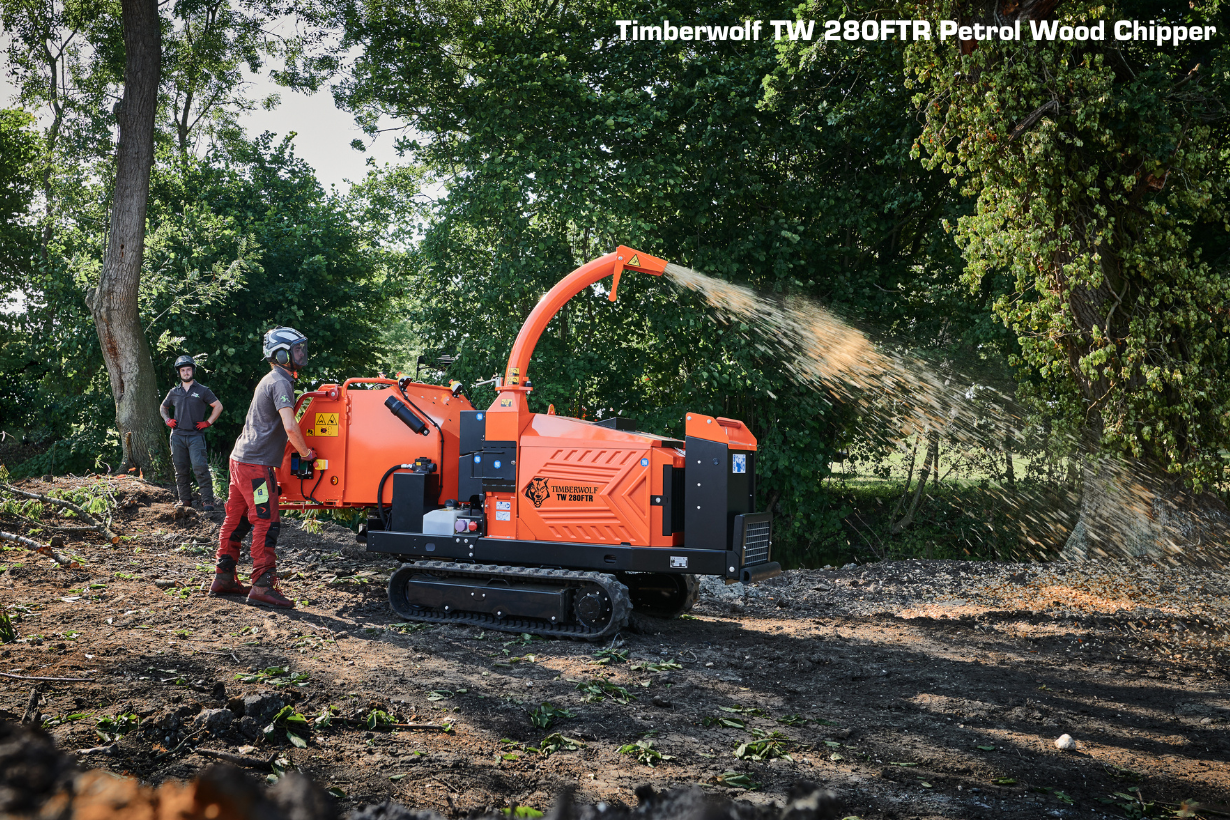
column 621, row 604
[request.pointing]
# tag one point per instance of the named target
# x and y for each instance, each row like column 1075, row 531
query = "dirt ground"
column 917, row 689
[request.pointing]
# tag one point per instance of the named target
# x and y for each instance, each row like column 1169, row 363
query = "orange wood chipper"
column 533, row 522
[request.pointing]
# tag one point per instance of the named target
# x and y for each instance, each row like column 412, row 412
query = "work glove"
column 171, row 423
column 201, row 425
column 311, row 455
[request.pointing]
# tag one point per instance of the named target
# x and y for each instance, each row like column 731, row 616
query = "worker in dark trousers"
column 196, row 409
column 252, row 503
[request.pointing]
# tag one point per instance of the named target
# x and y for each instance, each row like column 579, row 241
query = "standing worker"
column 191, row 401
column 252, row 503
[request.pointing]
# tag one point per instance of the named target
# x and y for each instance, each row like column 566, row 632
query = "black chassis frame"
column 473, row 549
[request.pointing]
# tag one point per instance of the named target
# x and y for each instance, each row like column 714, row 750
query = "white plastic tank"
column 440, row 522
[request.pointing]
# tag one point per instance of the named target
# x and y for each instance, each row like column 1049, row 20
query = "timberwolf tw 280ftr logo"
column 537, row 491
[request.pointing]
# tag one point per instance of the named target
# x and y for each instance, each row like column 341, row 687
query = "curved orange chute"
column 610, row 265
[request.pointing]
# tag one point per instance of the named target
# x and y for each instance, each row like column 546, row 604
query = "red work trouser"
column 251, row 507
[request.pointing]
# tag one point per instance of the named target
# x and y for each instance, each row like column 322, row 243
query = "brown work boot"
column 225, row 582
column 265, row 592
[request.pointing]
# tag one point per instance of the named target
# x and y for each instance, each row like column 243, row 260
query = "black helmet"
column 286, row 346
column 184, row 361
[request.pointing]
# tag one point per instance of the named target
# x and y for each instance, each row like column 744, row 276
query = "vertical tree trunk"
column 1137, row 511
column 125, row 349
column 930, row 462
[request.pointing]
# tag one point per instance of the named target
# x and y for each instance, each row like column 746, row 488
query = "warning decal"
column 635, row 261
column 326, row 425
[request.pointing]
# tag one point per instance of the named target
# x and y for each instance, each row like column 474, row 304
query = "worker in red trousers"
column 252, row 502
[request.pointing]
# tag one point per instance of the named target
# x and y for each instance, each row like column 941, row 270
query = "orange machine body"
column 357, row 439
column 576, row 482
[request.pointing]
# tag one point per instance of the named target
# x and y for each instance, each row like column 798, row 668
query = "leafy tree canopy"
column 1099, row 172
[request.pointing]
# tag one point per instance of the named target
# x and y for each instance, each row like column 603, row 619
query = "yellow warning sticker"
column 326, row 425
column 635, row 260
column 506, row 402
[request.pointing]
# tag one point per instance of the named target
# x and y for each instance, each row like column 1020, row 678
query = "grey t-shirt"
column 263, row 440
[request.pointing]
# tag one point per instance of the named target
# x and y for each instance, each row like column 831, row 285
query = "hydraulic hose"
column 380, row 491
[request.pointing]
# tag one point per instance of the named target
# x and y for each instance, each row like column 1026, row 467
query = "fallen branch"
column 239, row 760
column 362, row 722
column 36, row 547
column 97, row 525
column 94, row 750
column 35, row 677
column 20, row 539
column 33, row 522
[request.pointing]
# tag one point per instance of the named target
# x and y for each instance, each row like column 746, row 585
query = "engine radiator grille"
column 756, row 541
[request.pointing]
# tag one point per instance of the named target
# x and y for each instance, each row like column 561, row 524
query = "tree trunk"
column 930, row 462
column 113, row 304
column 1130, row 511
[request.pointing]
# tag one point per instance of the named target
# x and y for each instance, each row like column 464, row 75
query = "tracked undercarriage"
column 548, row 602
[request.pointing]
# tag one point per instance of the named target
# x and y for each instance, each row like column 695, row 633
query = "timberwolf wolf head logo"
column 537, row 491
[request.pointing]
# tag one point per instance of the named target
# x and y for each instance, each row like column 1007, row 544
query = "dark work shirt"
column 190, row 406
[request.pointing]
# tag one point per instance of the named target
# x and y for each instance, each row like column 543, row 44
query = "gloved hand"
column 311, row 455
column 171, row 423
column 201, row 425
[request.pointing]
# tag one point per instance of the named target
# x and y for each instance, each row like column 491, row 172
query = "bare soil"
column 916, row 689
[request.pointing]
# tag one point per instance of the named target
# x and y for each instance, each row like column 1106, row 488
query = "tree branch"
column 1032, row 119
column 99, row 526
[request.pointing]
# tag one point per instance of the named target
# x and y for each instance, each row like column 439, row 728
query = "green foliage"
column 20, row 150
column 379, row 719
column 553, row 743
column 599, row 689
column 767, row 746
column 1099, row 172
column 294, row 725
column 737, row 780
column 254, row 212
column 111, row 728
column 545, row 714
column 606, row 657
column 275, row 676
column 8, row 633
column 643, row 751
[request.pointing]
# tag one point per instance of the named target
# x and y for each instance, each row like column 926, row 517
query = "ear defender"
column 282, row 356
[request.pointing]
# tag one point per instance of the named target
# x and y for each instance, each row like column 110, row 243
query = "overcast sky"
column 322, row 132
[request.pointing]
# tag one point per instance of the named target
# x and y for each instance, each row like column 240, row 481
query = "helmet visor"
column 299, row 353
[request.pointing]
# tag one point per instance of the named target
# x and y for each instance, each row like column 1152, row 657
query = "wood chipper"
column 533, row 522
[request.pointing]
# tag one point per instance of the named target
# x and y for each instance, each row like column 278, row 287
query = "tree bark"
column 113, row 304
column 1130, row 510
column 930, row 462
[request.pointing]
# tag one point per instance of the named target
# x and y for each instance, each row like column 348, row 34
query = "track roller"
column 553, row 602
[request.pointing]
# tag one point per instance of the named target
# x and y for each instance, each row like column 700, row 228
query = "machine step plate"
column 521, row 599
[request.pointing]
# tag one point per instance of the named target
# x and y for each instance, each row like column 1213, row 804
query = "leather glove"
column 201, row 425
column 171, row 423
